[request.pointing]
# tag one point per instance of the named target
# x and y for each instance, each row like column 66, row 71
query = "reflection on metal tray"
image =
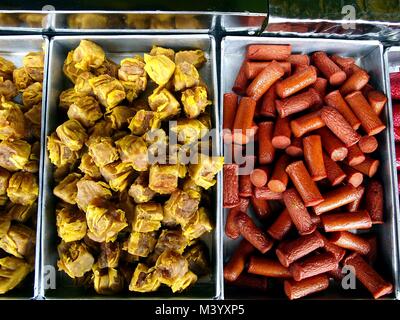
column 349, row 29
column 369, row 55
column 138, row 22
column 14, row 48
column 118, row 47
column 19, row 20
column 392, row 64
column 86, row 21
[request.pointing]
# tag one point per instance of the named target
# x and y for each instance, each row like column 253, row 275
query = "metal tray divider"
column 393, row 158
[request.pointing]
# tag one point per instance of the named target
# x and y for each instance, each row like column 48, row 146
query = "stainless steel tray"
column 14, row 48
column 369, row 55
column 118, row 47
column 124, row 21
column 392, row 64
column 25, row 20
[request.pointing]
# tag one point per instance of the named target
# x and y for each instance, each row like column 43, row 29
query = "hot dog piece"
column 266, row 151
column 268, row 268
column 282, row 133
column 334, row 173
column 245, row 186
column 230, row 106
column 247, row 164
column 231, row 185
column 374, row 201
column 300, row 68
column 315, row 219
column 297, row 59
column 335, row 148
column 313, row 265
column 265, row 193
column 350, row 241
column 304, row 184
column 355, row 82
column 244, row 121
column 237, row 262
column 307, row 123
column 252, row 69
column 279, row 178
column 355, row 205
column 296, row 82
column 259, row 177
column 368, row 167
column 336, row 274
column 320, row 86
column 370, row 122
column 298, row 212
column 241, row 81
column 264, row 80
column 377, row 101
column 373, row 244
column 298, row 289
column 336, row 198
column 354, row 156
column 235, row 151
column 251, row 282
column 267, row 108
column 268, row 52
column 296, row 148
column 337, row 251
column 346, row 221
column 367, row 89
column 281, row 226
column 368, row 276
column 231, row 228
column 297, row 103
column 368, row 144
column 243, row 205
column 261, row 207
column 353, row 177
column 339, row 126
column 342, row 62
column 290, row 251
column 335, row 100
column 252, row 233
column 313, row 157
column 328, row 68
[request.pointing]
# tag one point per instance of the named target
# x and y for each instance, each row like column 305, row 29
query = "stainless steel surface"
column 118, row 47
column 25, row 20
column 14, row 48
column 369, row 55
column 232, row 23
column 392, row 64
column 123, row 21
column 348, row 29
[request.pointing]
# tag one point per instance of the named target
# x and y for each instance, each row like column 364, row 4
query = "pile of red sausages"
column 313, row 120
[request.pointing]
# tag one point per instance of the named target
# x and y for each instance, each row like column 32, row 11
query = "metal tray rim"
column 393, row 152
column 36, row 284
